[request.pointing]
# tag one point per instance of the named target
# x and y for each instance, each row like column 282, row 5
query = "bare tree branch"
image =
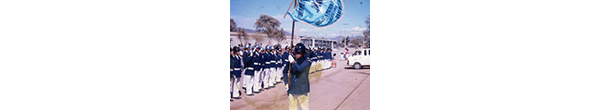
column 232, row 25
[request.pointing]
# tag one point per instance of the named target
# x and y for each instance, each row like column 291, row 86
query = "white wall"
column 283, row 43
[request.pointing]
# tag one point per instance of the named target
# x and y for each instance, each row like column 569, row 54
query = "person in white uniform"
column 245, row 60
column 267, row 67
column 257, row 67
column 248, row 69
column 237, row 71
column 272, row 68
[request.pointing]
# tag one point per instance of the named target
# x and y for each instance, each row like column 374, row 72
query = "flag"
column 318, row 13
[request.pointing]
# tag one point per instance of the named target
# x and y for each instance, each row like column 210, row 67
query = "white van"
column 360, row 58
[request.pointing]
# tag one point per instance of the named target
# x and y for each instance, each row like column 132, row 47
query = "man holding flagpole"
column 299, row 86
column 321, row 13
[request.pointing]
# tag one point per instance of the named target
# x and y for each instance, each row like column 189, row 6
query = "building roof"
column 324, row 39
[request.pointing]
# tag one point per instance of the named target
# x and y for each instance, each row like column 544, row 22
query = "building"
column 312, row 42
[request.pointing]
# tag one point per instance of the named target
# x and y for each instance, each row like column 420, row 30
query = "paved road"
column 334, row 88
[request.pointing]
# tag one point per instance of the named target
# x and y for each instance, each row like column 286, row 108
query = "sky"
column 356, row 12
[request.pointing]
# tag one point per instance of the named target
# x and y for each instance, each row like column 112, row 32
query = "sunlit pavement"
column 334, row 88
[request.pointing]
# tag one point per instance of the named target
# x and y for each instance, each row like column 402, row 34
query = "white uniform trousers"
column 259, row 78
column 324, row 63
column 243, row 80
column 248, row 81
column 276, row 79
column 236, row 87
column 280, row 74
column 323, row 66
column 272, row 77
column 255, row 81
column 230, row 86
column 318, row 65
column 313, row 66
column 265, row 79
column 277, row 75
column 330, row 63
column 327, row 63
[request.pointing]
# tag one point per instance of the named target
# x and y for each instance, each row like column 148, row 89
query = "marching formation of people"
column 255, row 68
column 323, row 59
column 258, row 67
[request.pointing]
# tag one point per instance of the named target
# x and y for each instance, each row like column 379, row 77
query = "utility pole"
column 345, row 24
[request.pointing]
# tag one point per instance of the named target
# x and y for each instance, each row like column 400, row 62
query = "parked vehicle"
column 360, row 58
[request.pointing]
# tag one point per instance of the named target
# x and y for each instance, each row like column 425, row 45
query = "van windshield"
column 356, row 53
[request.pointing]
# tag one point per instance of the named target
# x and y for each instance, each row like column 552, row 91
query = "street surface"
column 331, row 89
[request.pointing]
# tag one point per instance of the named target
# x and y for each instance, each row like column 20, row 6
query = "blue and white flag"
column 318, row 13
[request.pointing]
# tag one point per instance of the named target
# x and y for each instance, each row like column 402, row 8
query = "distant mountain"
column 288, row 34
column 339, row 38
column 254, row 31
column 249, row 31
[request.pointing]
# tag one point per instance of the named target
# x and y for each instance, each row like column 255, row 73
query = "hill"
column 339, row 38
column 254, row 31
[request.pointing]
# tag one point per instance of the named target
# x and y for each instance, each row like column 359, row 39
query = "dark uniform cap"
column 277, row 47
column 236, row 49
column 300, row 48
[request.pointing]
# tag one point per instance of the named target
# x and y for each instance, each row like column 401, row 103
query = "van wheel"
column 356, row 66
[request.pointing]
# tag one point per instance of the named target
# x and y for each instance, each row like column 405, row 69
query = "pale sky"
column 245, row 13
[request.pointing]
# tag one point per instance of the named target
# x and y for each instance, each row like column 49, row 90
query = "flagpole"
column 291, row 44
column 288, row 8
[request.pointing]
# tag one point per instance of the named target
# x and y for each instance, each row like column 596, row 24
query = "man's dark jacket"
column 299, row 83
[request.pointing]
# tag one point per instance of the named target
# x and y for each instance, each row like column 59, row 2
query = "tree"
column 258, row 38
column 346, row 40
column 279, row 35
column 356, row 41
column 367, row 33
column 242, row 35
column 268, row 25
column 232, row 25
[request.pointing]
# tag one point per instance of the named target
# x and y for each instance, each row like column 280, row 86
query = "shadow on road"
column 355, row 68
